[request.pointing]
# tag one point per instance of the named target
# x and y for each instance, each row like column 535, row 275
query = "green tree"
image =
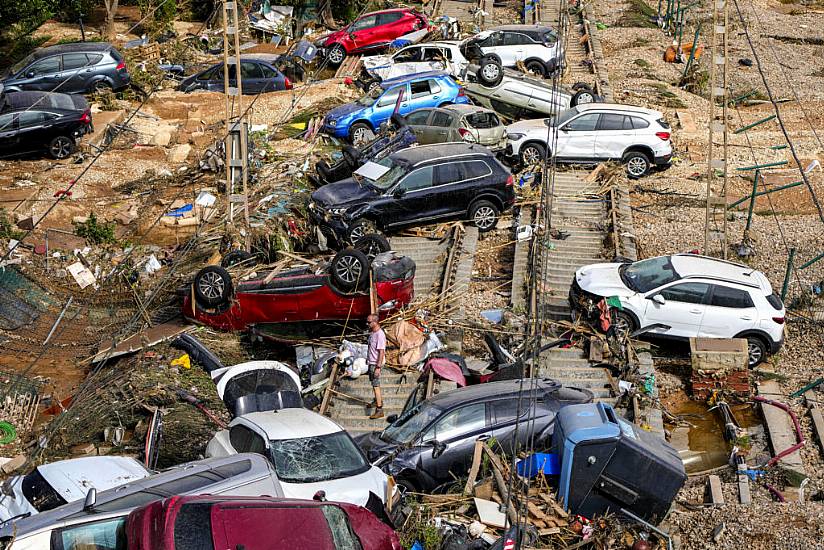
column 20, row 17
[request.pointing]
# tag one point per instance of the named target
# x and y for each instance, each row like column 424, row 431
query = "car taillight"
column 510, row 181
column 122, row 65
column 663, row 135
column 779, row 320
column 86, row 117
column 466, row 135
column 287, row 83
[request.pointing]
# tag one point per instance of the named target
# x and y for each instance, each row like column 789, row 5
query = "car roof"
column 618, row 107
column 422, row 153
column 390, row 10
column 705, row 267
column 74, row 477
column 390, row 82
column 523, row 28
column 72, row 47
column 462, row 108
column 483, row 392
column 12, row 101
column 292, row 423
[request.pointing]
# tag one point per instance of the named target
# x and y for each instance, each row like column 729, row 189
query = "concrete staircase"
column 571, row 367
column 353, row 416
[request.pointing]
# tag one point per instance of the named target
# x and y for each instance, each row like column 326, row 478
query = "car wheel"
column 373, row 88
column 491, row 72
column 582, row 97
column 756, row 350
column 351, row 156
column 484, row 215
column 336, row 55
column 361, row 134
column 349, row 269
column 532, row 154
column 623, row 322
column 359, row 229
column 406, row 486
column 213, row 286
column 101, row 87
column 235, row 257
column 372, row 245
column 637, row 164
column 61, row 147
column 536, row 67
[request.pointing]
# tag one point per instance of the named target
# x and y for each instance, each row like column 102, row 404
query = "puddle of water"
column 701, row 445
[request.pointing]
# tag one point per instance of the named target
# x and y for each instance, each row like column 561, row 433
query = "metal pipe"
column 752, row 199
column 766, row 192
column 798, row 433
column 767, row 165
column 691, row 58
column 648, row 526
column 59, row 318
column 787, row 273
column 811, row 262
column 754, row 124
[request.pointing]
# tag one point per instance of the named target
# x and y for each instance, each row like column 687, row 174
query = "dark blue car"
column 358, row 121
column 257, row 76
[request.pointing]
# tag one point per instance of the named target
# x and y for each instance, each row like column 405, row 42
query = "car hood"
column 374, row 447
column 14, row 503
column 335, row 36
column 342, row 193
column 344, row 110
column 353, row 489
column 527, row 125
column 602, row 280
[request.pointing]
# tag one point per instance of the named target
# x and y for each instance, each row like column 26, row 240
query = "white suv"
column 537, row 46
column 686, row 295
column 595, row 132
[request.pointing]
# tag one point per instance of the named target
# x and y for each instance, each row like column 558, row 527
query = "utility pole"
column 715, row 229
column 237, row 131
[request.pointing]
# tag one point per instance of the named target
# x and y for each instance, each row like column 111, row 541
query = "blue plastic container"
column 547, row 463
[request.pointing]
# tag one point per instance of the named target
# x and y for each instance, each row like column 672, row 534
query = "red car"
column 371, row 32
column 338, row 290
column 204, row 522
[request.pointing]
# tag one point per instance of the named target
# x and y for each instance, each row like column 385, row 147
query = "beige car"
column 452, row 123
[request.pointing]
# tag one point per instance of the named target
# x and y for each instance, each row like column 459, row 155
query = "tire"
column 101, row 87
column 336, row 55
column 359, row 229
column 324, row 170
column 360, row 134
column 623, row 322
column 756, row 350
column 398, row 121
column 351, row 156
column 372, row 245
column 213, row 286
column 532, row 154
column 491, row 72
column 373, row 87
column 536, row 67
column 61, row 147
column 484, row 215
column 582, row 97
column 349, row 270
column 406, row 486
column 637, row 164
column 234, row 257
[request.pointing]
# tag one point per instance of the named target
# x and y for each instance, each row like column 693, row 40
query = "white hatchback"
column 595, row 132
column 414, row 59
column 686, row 295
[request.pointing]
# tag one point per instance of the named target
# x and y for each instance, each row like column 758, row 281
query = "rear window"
column 342, row 533
column 193, row 527
column 475, row 169
column 775, row 301
column 61, row 101
column 483, row 121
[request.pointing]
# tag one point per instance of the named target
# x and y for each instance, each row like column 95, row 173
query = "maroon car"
column 205, row 522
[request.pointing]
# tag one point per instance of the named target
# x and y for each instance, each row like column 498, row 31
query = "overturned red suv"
column 333, row 291
column 204, row 522
column 371, row 33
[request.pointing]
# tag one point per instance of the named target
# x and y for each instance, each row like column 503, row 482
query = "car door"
column 504, row 415
column 613, row 135
column 105, row 533
column 32, row 133
column 475, row 177
column 270, row 78
column 77, row 71
column 43, row 75
column 9, row 142
column 456, row 431
column 251, row 78
column 683, row 308
column 362, row 31
column 730, row 311
column 418, row 122
column 389, row 27
column 411, row 200
column 450, row 181
column 493, row 45
column 385, row 105
column 423, row 93
column 514, row 44
column 439, row 129
column 576, row 138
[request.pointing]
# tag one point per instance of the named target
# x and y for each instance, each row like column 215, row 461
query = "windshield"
column 20, row 65
column 396, row 172
column 39, row 493
column 366, row 101
column 566, row 115
column 411, row 423
column 318, row 458
column 649, row 274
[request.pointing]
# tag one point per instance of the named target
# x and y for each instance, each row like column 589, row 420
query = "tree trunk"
column 111, row 11
column 325, row 8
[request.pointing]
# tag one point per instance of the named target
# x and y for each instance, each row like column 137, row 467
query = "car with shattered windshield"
column 432, row 444
column 682, row 296
column 310, row 453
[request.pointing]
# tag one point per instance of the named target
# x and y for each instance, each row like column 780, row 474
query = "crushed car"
column 57, row 483
column 414, row 59
column 31, row 122
column 334, row 290
column 452, row 123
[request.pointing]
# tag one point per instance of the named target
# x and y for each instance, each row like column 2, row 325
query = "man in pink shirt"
column 376, row 358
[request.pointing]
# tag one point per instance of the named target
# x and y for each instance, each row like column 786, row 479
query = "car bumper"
column 775, row 347
column 333, row 228
column 663, row 161
column 336, row 131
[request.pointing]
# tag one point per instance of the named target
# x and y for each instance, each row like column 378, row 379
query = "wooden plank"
column 816, row 417
column 534, row 511
column 715, row 493
column 476, row 466
column 779, row 428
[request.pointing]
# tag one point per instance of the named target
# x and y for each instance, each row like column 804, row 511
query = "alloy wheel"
column 531, row 156
column 484, row 217
column 491, row 72
column 361, row 136
column 636, row 166
column 754, row 353
column 349, row 269
column 61, row 148
column 585, row 98
column 336, row 55
column 621, row 324
column 211, row 285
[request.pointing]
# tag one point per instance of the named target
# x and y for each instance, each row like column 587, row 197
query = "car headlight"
column 332, row 123
column 515, row 136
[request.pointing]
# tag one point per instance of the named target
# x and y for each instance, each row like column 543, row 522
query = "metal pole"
column 787, row 273
column 811, row 262
column 752, row 200
column 59, row 318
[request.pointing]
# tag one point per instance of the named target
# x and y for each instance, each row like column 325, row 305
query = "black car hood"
column 373, row 446
column 343, row 193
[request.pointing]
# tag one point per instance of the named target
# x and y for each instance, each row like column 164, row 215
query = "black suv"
column 78, row 68
column 432, row 443
column 37, row 121
column 415, row 186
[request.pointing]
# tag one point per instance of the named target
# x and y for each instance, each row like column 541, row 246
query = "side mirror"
column 564, row 129
column 399, row 192
column 90, row 500
column 658, row 299
column 438, row 448
column 391, row 418
column 30, row 74
column 352, row 35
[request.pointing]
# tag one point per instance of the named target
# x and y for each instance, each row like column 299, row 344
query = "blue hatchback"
column 358, row 121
